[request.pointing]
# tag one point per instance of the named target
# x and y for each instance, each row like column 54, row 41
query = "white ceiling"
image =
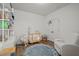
column 39, row 8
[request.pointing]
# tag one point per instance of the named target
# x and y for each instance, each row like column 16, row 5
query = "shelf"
column 6, row 10
column 6, row 22
column 6, row 29
column 5, row 19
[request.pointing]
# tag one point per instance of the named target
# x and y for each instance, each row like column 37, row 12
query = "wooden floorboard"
column 20, row 49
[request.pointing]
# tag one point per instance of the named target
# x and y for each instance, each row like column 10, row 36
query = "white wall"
column 23, row 20
column 66, row 23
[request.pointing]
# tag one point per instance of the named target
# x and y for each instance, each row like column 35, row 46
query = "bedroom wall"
column 65, row 23
column 23, row 20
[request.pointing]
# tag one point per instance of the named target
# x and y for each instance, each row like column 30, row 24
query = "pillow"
column 35, row 37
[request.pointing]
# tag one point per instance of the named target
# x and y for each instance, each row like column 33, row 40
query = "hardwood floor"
column 21, row 47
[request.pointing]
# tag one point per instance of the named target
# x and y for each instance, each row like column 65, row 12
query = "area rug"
column 40, row 50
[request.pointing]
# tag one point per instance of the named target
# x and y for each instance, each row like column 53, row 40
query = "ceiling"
column 39, row 8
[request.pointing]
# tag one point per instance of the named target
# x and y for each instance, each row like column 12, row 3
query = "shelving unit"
column 6, row 23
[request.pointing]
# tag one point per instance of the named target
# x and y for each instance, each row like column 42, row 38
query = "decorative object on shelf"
column 12, row 11
column 0, row 36
column 4, row 24
column 0, row 15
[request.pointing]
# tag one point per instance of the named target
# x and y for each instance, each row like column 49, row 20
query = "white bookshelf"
column 6, row 24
